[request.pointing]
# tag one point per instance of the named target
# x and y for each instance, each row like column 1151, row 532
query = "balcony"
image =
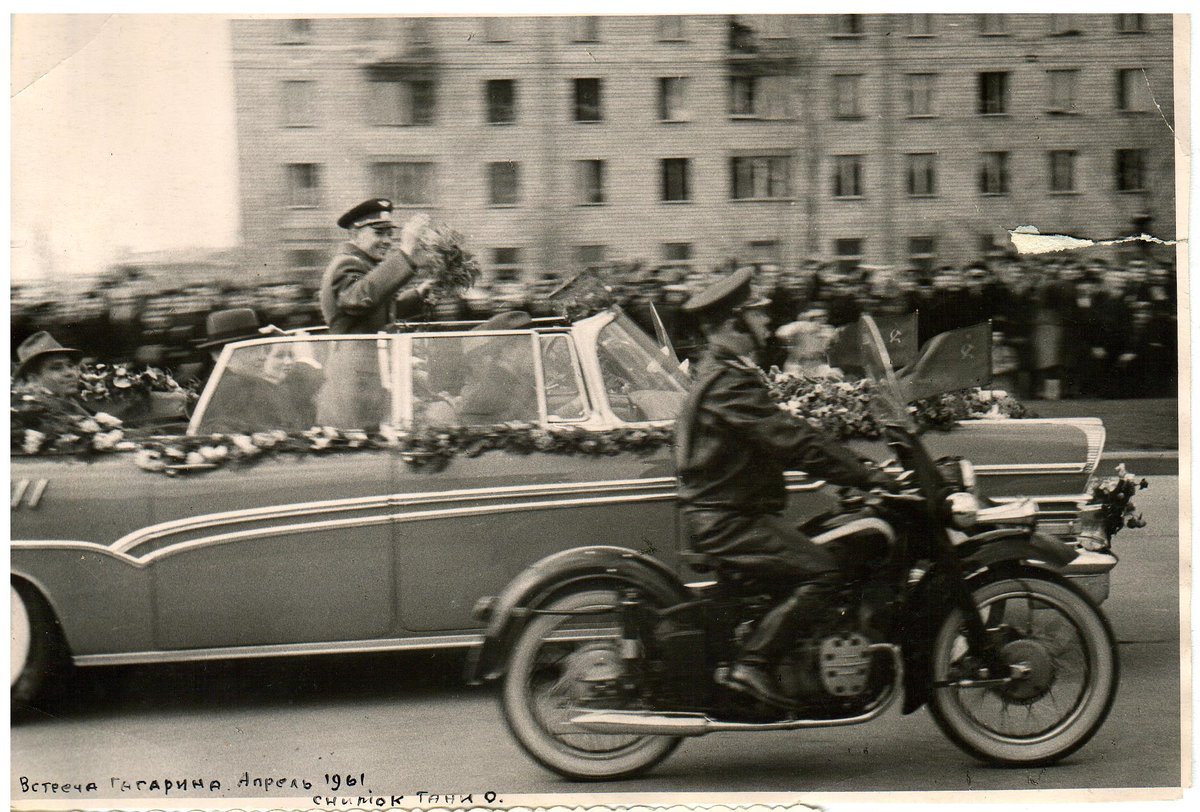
column 385, row 59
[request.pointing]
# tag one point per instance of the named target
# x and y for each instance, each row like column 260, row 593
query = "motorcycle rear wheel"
column 547, row 678
column 1069, row 650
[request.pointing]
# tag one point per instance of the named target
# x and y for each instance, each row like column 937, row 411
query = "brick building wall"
column 796, row 125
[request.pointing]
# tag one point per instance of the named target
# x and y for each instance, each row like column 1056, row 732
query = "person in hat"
column 732, row 447
column 500, row 385
column 362, row 292
column 360, row 285
column 262, row 387
column 50, row 372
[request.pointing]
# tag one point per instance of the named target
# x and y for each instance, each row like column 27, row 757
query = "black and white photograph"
column 424, row 407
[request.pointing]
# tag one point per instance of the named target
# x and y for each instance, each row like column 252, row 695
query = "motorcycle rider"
column 732, row 447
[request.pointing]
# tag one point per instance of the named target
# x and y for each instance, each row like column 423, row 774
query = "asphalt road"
column 406, row 724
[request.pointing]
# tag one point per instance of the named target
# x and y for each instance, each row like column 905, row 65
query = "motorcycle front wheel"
column 559, row 668
column 1065, row 659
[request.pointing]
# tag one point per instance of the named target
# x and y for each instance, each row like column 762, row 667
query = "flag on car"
column 899, row 336
column 954, row 360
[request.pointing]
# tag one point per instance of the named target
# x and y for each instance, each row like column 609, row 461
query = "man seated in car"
column 500, row 386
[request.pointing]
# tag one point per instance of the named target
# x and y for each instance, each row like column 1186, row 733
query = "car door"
column 466, row 530
column 291, row 550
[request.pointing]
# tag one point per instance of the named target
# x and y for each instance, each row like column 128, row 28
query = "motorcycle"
column 609, row 660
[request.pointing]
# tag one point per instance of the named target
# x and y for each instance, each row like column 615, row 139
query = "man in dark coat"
column 732, row 447
column 359, row 295
column 360, row 285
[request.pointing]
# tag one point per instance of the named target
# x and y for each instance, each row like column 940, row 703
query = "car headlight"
column 963, row 508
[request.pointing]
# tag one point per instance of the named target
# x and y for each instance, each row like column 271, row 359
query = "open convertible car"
column 364, row 551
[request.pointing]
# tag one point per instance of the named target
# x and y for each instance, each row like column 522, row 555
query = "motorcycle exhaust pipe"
column 666, row 723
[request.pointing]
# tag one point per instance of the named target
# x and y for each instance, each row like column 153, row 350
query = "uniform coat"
column 358, row 292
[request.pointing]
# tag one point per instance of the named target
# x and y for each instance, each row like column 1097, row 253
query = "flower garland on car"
column 831, row 405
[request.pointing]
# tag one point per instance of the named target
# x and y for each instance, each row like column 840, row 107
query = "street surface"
column 407, row 724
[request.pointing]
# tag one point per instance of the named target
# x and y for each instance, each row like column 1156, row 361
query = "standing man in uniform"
column 732, row 447
column 360, row 285
column 361, row 293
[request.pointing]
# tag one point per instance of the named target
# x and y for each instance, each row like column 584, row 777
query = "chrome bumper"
column 1090, row 572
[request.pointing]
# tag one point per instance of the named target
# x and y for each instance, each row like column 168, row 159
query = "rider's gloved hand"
column 883, row 481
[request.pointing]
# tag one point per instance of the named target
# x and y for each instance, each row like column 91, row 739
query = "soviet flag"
column 899, row 336
column 957, row 359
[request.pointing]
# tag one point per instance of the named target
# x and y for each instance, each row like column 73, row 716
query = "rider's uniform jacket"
column 358, row 292
column 733, row 442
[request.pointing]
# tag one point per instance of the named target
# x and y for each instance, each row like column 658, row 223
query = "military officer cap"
column 731, row 293
column 376, row 212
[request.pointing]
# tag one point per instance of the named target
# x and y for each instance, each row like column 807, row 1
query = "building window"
column 504, row 183
column 1063, row 91
column 590, row 256
column 993, row 173
column 1062, row 170
column 405, row 183
column 506, row 264
column 847, row 25
column 590, row 178
column 1131, row 23
column 298, row 105
column 764, row 252
column 846, row 96
column 671, row 91
column 402, row 103
column 921, row 25
column 847, row 175
column 1064, row 24
column 587, row 100
column 296, row 32
column 418, row 31
column 677, row 254
column 993, row 25
column 585, row 29
column 497, row 29
column 922, row 174
column 1131, row 90
column 676, row 179
column 922, row 253
column 669, row 28
column 304, row 185
column 760, row 96
column 760, row 177
column 501, row 101
column 993, row 93
column 920, row 89
column 849, row 253
column 305, row 259
column 1130, row 170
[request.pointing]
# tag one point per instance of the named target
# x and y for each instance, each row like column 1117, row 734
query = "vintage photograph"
column 477, row 411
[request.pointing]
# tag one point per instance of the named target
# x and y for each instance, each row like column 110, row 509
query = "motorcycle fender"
column 1012, row 544
column 508, row 613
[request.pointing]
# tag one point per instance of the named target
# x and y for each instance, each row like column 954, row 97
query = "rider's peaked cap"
column 374, row 212
column 730, row 293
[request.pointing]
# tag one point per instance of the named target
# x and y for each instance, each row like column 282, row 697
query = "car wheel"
column 37, row 650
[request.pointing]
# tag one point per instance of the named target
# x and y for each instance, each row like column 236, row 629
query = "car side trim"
column 280, row 650
column 400, row 518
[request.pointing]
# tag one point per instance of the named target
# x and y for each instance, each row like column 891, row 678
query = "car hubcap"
column 20, row 636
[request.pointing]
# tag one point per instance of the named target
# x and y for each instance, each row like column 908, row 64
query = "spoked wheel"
column 562, row 666
column 1064, row 662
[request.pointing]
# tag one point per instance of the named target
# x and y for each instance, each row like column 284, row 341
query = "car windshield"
column 888, row 401
column 642, row 382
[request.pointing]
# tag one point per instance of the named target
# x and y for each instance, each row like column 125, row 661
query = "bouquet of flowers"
column 440, row 255
column 1111, row 508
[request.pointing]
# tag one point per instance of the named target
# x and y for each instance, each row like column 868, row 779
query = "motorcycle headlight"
column 963, row 508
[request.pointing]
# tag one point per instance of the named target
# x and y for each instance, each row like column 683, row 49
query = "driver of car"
column 732, row 447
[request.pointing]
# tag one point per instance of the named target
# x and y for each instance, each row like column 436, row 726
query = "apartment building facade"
column 555, row 143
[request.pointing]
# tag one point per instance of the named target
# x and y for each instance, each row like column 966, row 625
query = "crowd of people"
column 1063, row 326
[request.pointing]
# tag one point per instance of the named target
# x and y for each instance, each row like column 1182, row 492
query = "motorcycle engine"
column 836, row 665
